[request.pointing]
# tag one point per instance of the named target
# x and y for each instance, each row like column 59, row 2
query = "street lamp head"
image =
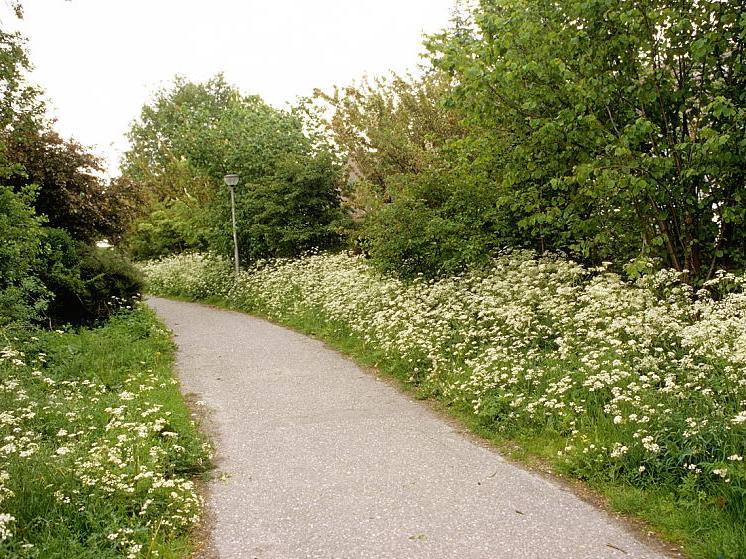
column 231, row 180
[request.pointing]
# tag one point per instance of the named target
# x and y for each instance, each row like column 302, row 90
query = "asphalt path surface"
column 319, row 458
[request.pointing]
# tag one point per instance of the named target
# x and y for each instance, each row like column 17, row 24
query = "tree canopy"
column 71, row 192
column 615, row 128
column 387, row 128
column 191, row 135
column 603, row 129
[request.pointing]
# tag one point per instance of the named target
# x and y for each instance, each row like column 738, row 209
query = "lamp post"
column 232, row 180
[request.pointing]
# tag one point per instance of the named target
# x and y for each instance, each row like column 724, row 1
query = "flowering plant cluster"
column 97, row 449
column 641, row 380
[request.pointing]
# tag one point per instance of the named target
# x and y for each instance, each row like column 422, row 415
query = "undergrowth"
column 98, row 451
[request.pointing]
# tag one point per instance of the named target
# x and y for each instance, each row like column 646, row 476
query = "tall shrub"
column 23, row 296
column 614, row 129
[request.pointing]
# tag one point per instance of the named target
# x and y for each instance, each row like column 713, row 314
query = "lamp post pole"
column 232, row 181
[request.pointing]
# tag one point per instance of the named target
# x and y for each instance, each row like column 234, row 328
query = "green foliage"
column 422, row 205
column 389, row 128
column 606, row 129
column 110, row 283
column 174, row 209
column 294, row 210
column 23, row 296
column 58, row 268
column 190, row 136
column 99, row 447
column 214, row 129
column 20, row 103
column 47, row 277
column 170, row 227
column 613, row 128
column 435, row 224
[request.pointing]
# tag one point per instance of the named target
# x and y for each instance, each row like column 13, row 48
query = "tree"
column 437, row 223
column 71, row 193
column 20, row 103
column 191, row 135
column 170, row 226
column 615, row 128
column 292, row 211
column 21, row 107
column 423, row 202
column 45, row 274
column 214, row 129
column 388, row 128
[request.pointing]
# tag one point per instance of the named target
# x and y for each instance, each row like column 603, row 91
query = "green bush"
column 111, row 283
column 288, row 213
column 23, row 296
column 435, row 225
column 610, row 129
column 58, row 268
column 86, row 284
column 170, row 227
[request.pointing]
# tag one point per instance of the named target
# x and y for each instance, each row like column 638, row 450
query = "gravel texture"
column 321, row 459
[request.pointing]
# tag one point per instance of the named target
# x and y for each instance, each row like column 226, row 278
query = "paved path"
column 324, row 460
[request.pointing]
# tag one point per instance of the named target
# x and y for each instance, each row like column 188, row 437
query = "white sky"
column 101, row 60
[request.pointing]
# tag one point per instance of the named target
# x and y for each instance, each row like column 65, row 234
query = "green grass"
column 693, row 522
column 105, row 447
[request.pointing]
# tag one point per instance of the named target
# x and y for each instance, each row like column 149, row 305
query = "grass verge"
column 99, row 449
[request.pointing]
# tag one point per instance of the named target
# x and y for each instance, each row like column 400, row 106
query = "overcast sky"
column 100, row 60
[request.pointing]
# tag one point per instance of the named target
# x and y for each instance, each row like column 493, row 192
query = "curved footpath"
column 321, row 459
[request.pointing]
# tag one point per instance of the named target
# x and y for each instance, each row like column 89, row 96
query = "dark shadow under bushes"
column 88, row 284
